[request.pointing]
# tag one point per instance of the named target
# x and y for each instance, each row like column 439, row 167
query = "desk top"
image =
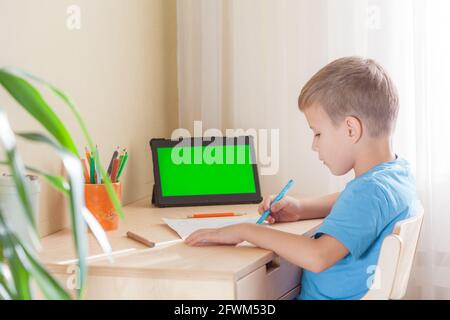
column 173, row 260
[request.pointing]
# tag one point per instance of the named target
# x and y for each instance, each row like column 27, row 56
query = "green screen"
column 206, row 170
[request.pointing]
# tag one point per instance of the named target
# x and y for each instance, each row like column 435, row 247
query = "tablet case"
column 180, row 201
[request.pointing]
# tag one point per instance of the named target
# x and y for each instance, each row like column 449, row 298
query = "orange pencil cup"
column 98, row 202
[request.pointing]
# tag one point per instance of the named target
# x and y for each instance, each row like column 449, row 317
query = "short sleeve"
column 356, row 219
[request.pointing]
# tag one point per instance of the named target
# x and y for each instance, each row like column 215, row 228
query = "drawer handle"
column 273, row 265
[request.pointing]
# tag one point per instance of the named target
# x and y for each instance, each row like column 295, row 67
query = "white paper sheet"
column 184, row 227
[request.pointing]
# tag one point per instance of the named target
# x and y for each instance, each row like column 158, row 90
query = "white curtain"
column 242, row 64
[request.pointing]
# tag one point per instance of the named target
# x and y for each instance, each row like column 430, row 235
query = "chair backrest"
column 396, row 258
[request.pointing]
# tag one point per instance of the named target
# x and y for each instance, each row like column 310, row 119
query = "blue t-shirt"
column 362, row 216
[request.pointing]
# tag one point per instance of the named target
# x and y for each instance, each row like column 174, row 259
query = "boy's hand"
column 207, row 237
column 285, row 210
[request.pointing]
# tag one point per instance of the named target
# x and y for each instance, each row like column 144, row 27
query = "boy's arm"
column 315, row 255
column 317, row 208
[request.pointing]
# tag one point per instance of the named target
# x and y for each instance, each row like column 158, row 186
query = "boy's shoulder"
column 384, row 174
column 392, row 182
column 369, row 203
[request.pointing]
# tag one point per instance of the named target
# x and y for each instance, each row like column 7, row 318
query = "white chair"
column 396, row 259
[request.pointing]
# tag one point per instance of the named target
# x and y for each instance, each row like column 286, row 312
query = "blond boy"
column 351, row 105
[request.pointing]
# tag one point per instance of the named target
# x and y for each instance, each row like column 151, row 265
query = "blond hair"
column 353, row 86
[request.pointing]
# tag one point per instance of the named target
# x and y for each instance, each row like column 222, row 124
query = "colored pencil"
column 122, row 165
column 215, row 215
column 140, row 239
column 97, row 166
column 114, row 156
column 277, row 198
column 88, row 157
column 92, row 170
column 85, row 171
column 114, row 171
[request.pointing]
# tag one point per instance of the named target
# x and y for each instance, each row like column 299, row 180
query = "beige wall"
column 120, row 69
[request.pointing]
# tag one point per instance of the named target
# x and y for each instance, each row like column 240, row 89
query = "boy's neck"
column 373, row 153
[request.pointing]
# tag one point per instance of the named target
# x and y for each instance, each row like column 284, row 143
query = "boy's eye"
column 317, row 134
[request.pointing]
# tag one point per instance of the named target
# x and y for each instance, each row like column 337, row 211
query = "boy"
column 351, row 106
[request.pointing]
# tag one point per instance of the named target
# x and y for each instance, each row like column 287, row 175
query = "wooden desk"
column 175, row 271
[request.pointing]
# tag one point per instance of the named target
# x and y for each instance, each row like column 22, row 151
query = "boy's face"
column 333, row 144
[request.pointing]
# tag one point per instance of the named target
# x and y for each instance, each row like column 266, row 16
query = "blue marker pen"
column 277, row 198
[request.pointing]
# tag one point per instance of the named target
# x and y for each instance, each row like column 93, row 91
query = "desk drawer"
column 291, row 295
column 269, row 282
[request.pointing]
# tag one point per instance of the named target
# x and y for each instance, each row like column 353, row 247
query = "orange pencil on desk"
column 215, row 215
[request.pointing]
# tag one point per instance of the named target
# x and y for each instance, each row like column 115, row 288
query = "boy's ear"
column 354, row 128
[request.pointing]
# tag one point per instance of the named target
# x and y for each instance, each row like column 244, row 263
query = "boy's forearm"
column 316, row 208
column 299, row 250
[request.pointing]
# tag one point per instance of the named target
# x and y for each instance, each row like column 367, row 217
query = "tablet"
column 204, row 171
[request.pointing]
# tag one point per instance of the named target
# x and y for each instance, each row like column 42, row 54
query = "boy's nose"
column 314, row 147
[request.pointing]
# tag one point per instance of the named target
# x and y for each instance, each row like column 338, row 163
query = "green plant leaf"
column 5, row 291
column 58, row 182
column 13, row 80
column 59, row 93
column 5, row 294
column 79, row 212
column 20, row 275
column 105, row 177
column 76, row 200
column 23, row 259
column 32, row 101
column 61, row 184
column 7, row 139
column 48, row 285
